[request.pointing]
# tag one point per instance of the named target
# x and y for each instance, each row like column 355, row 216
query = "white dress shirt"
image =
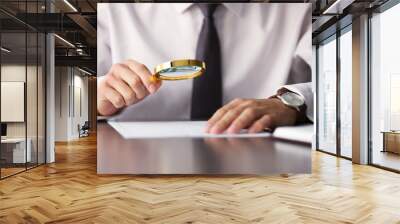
column 262, row 47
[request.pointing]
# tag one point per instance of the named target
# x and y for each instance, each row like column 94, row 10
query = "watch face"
column 292, row 99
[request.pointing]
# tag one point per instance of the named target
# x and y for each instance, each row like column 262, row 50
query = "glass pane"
column 23, row 82
column 13, row 86
column 32, row 88
column 327, row 96
column 32, row 97
column 385, row 84
column 346, row 94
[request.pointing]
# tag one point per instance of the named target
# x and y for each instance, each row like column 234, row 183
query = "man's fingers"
column 121, row 87
column 254, row 115
column 114, row 97
column 145, row 75
column 221, row 112
column 123, row 72
column 217, row 115
column 125, row 83
column 223, row 123
column 262, row 123
column 245, row 119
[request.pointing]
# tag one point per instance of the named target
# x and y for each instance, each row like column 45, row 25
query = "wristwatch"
column 294, row 101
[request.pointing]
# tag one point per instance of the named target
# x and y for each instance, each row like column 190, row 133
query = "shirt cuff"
column 304, row 90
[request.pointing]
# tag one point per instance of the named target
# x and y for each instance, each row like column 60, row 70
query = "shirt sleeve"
column 103, row 39
column 300, row 81
column 304, row 45
column 305, row 90
column 300, row 70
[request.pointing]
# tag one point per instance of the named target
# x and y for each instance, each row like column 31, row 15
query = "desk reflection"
column 199, row 155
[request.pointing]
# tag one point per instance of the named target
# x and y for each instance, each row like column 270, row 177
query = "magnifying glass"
column 178, row 70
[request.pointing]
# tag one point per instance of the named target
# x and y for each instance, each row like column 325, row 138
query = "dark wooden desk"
column 260, row 156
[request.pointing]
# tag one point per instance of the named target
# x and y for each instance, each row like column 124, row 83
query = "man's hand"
column 254, row 114
column 125, row 84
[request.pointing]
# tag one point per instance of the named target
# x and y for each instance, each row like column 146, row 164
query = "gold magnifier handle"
column 154, row 78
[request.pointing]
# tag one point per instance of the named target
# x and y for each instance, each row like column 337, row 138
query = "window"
column 385, row 89
column 346, row 92
column 22, row 101
column 327, row 95
column 334, row 106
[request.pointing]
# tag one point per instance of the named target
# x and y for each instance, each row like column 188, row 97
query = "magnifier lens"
column 180, row 71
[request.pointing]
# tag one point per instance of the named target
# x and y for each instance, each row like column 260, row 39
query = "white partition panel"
column 12, row 101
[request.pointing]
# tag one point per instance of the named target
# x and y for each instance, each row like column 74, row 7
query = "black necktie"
column 207, row 89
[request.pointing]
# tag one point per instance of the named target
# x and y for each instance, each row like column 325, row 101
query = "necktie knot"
column 208, row 10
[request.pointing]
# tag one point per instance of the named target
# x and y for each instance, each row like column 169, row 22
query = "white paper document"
column 196, row 129
column 172, row 129
column 300, row 133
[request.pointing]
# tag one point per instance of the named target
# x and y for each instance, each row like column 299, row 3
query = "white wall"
column 70, row 83
column 16, row 73
column 80, row 84
column 61, row 103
